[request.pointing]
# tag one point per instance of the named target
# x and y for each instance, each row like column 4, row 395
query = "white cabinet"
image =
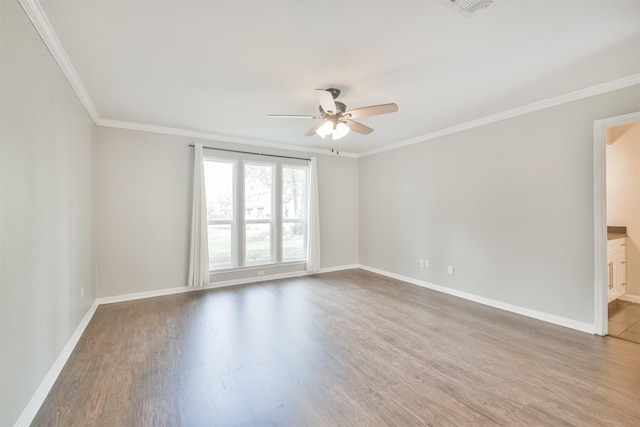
column 616, row 266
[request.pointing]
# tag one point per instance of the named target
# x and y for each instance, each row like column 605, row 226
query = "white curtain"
column 313, row 231
column 199, row 256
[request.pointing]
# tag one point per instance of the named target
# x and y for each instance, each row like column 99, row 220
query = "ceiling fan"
column 337, row 121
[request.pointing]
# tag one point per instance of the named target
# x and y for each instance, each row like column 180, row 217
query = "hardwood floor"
column 338, row 349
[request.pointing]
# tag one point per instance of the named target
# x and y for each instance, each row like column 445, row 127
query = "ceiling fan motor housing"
column 339, row 106
column 334, row 92
column 337, row 120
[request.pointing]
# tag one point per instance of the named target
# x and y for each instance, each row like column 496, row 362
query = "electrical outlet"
column 81, row 291
column 421, row 263
column 260, row 272
column 450, row 270
column 426, row 264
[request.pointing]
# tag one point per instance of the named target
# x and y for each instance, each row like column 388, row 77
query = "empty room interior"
column 344, row 213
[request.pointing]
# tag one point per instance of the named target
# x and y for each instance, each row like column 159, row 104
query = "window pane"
column 293, row 245
column 219, row 245
column 218, row 178
column 257, row 191
column 294, row 182
column 258, row 247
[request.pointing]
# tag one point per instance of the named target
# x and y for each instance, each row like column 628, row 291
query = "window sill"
column 270, row 266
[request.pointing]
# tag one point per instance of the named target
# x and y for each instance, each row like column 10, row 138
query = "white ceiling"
column 219, row 67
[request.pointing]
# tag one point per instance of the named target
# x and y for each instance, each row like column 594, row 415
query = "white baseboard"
column 550, row 318
column 43, row 390
column 337, row 268
column 221, row 284
column 32, row 408
column 630, row 298
column 41, row 393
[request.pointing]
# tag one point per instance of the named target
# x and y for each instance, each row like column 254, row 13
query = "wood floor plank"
column 338, row 349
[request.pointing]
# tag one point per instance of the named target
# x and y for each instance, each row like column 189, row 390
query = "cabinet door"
column 616, row 265
column 610, row 280
column 622, row 280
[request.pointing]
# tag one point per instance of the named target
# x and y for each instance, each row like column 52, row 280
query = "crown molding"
column 519, row 111
column 121, row 124
column 36, row 14
column 39, row 19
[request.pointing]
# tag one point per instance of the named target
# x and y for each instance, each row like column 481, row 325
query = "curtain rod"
column 255, row 154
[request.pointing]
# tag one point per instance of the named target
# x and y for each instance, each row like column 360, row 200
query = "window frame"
column 233, row 222
column 271, row 221
column 304, row 220
column 277, row 220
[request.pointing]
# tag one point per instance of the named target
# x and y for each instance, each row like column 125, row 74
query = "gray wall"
column 46, row 171
column 144, row 203
column 509, row 204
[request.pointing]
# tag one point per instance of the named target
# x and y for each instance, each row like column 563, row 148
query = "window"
column 256, row 211
column 258, row 218
column 294, row 213
column 218, row 176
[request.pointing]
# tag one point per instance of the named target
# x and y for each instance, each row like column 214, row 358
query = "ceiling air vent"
column 467, row 7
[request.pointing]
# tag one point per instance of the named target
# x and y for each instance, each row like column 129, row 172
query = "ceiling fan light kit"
column 337, row 120
column 336, row 130
column 325, row 129
column 340, row 130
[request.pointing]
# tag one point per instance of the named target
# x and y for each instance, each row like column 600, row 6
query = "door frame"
column 600, row 217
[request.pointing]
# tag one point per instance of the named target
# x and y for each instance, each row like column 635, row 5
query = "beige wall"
column 144, row 204
column 509, row 204
column 623, row 194
column 46, row 253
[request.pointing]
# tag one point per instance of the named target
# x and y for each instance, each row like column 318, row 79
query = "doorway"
column 622, row 170
column 606, row 269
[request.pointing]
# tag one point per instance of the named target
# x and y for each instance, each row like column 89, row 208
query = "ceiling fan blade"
column 358, row 127
column 325, row 99
column 313, row 130
column 292, row 116
column 373, row 110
